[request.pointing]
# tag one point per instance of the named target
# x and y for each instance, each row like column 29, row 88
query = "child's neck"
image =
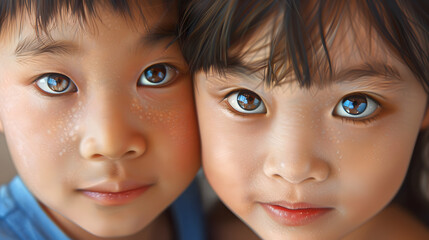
column 392, row 223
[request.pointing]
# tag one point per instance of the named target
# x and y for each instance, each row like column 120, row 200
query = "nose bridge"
column 110, row 130
column 106, row 111
column 294, row 155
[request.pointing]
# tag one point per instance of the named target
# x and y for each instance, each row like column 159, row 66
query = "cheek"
column 172, row 128
column 225, row 169
column 182, row 137
column 372, row 166
column 231, row 160
column 173, row 120
column 39, row 137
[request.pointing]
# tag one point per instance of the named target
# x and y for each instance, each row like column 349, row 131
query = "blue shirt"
column 21, row 217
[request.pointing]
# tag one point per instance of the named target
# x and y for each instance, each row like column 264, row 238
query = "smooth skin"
column 300, row 145
column 103, row 122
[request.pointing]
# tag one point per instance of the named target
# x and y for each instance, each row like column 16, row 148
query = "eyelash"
column 365, row 121
column 232, row 111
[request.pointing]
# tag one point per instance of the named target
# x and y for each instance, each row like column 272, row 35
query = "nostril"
column 130, row 154
column 103, row 150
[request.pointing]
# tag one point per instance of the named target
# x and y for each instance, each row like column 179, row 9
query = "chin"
column 115, row 230
column 297, row 233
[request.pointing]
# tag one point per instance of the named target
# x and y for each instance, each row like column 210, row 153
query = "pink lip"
column 114, row 194
column 296, row 214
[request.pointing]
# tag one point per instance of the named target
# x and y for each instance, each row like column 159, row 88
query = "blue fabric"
column 187, row 212
column 22, row 218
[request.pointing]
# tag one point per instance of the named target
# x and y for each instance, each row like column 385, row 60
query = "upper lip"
column 114, row 186
column 294, row 206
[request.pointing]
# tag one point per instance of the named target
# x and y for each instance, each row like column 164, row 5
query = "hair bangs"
column 218, row 35
column 45, row 12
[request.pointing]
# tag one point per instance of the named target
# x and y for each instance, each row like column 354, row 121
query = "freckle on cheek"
column 155, row 115
column 166, row 118
column 67, row 129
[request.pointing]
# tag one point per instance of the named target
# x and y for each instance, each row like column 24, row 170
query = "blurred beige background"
column 7, row 171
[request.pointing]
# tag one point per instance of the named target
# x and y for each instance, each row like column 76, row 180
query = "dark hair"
column 45, row 11
column 211, row 29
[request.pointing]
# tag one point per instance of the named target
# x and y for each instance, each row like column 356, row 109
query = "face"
column 100, row 122
column 315, row 163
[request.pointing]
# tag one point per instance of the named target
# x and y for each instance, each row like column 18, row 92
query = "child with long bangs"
column 98, row 112
column 309, row 111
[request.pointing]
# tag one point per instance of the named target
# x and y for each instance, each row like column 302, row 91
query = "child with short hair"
column 98, row 112
column 309, row 111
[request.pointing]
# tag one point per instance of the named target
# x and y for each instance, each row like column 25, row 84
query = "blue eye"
column 157, row 75
column 54, row 83
column 356, row 105
column 245, row 101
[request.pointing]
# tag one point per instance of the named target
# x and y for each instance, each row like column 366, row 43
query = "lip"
column 115, row 193
column 294, row 214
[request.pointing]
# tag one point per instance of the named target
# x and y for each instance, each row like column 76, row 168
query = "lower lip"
column 115, row 198
column 294, row 217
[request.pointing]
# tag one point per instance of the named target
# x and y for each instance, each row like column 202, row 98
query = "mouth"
column 106, row 195
column 297, row 214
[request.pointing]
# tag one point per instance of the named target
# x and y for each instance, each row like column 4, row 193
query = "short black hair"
column 45, row 11
column 212, row 27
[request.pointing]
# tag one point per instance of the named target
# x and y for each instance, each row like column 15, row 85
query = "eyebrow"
column 350, row 74
column 367, row 69
column 159, row 34
column 35, row 46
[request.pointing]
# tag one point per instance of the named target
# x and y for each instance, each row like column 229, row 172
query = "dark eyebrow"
column 367, row 69
column 159, row 34
column 360, row 74
column 35, row 46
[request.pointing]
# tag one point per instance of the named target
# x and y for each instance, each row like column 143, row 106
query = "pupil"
column 156, row 74
column 248, row 100
column 355, row 104
column 58, row 83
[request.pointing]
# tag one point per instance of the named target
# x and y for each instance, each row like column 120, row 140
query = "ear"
column 425, row 122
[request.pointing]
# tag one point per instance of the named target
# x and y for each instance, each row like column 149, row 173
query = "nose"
column 294, row 156
column 111, row 131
